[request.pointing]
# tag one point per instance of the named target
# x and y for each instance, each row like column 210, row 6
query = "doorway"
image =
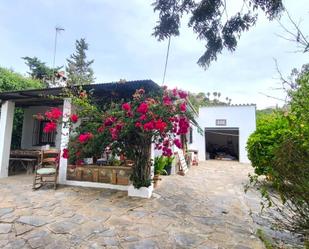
column 222, row 143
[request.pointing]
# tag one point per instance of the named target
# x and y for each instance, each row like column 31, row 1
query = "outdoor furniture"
column 26, row 163
column 47, row 170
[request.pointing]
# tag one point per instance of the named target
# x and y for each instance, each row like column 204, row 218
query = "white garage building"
column 225, row 131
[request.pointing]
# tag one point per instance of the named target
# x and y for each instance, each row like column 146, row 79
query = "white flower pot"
column 142, row 192
column 88, row 160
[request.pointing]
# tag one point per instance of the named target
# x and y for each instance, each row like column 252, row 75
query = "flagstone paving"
column 206, row 209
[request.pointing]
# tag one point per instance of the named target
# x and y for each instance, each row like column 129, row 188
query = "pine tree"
column 78, row 70
column 39, row 71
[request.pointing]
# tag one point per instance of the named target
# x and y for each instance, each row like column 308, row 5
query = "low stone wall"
column 119, row 175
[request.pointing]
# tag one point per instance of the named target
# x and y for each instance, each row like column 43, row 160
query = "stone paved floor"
column 207, row 208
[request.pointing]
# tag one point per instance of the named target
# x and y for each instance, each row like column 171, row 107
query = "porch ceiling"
column 101, row 92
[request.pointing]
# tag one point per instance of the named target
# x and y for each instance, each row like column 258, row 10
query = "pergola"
column 105, row 92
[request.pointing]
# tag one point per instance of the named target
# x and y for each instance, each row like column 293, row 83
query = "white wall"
column 242, row 117
column 26, row 139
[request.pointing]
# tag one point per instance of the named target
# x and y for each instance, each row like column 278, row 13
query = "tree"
column 210, row 21
column 78, row 69
column 41, row 72
column 11, row 81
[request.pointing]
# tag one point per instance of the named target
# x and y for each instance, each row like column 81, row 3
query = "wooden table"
column 25, row 158
column 27, row 163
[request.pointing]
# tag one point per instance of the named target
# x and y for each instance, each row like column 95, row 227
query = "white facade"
column 241, row 117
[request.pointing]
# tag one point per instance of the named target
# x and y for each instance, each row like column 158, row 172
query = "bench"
column 26, row 163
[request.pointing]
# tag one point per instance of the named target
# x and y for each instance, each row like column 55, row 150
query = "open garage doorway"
column 222, row 143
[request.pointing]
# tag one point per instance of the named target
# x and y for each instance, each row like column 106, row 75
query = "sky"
column 121, row 44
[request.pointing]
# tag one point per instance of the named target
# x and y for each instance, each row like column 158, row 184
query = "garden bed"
column 119, row 175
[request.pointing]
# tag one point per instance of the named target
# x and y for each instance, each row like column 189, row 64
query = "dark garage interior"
column 222, row 143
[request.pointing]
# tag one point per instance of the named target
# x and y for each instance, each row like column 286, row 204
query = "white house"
column 225, row 131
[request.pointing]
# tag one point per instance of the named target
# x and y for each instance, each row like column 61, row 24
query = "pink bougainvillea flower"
column 183, row 107
column 50, row 127
column 126, row 107
column 143, row 117
column 74, row 118
column 119, row 126
column 53, row 114
column 85, row 137
column 149, row 126
column 160, row 125
column 143, row 108
column 167, row 151
column 101, row 129
column 183, row 126
column 175, row 92
column 178, row 143
column 65, row 153
column 141, row 91
column 182, row 94
column 138, row 124
column 167, row 100
column 114, row 133
column 109, row 121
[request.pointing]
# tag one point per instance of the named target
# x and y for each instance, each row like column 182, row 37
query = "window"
column 39, row 137
column 221, row 122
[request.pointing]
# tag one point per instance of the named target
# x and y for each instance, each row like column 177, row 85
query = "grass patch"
column 267, row 243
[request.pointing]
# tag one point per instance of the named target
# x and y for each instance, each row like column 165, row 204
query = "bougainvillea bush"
column 126, row 128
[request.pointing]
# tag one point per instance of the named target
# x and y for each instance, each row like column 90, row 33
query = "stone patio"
column 206, row 209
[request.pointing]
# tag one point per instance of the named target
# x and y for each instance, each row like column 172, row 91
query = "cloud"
column 120, row 42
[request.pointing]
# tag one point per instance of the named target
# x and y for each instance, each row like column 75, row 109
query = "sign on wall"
column 220, row 122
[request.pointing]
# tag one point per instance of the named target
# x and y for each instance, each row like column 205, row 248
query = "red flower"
column 175, row 92
column 74, row 118
column 149, row 126
column 85, row 137
column 109, row 121
column 183, row 126
column 53, row 114
column 119, row 126
column 167, row 152
column 143, row 117
column 65, row 153
column 50, row 127
column 114, row 133
column 182, row 94
column 167, row 100
column 178, row 143
column 183, row 107
column 160, row 125
column 143, row 108
column 126, row 107
column 101, row 129
column 138, row 124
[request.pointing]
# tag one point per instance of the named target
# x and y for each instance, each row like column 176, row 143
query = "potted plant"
column 168, row 164
column 159, row 169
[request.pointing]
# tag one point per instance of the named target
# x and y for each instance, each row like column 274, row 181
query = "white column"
column 6, row 126
column 65, row 135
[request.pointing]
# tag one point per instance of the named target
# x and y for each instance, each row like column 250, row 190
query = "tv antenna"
column 58, row 29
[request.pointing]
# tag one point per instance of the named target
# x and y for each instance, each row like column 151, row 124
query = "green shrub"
column 279, row 149
column 262, row 144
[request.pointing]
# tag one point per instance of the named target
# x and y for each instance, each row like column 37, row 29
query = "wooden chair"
column 47, row 170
